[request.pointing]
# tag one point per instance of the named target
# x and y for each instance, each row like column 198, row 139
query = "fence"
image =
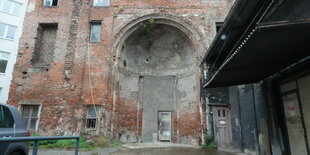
column 37, row 139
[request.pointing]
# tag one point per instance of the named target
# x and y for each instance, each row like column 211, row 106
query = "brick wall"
column 64, row 87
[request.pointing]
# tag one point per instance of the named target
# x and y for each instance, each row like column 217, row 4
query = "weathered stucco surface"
column 110, row 73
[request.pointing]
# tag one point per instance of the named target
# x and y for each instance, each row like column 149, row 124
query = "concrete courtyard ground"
column 141, row 149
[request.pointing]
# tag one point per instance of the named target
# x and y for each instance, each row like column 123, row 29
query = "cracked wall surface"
column 83, row 73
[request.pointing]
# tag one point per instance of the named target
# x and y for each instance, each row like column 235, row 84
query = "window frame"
column 95, row 23
column 29, row 117
column 51, row 5
column 2, row 58
column 95, row 3
column 14, row 3
column 97, row 109
column 6, row 31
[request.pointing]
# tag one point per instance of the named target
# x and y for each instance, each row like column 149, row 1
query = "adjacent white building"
column 12, row 13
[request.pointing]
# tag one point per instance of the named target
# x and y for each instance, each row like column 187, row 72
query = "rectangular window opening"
column 10, row 7
column 95, row 32
column 30, row 114
column 92, row 117
column 46, row 38
column 7, row 31
column 50, row 3
column 16, row 9
column 101, row 3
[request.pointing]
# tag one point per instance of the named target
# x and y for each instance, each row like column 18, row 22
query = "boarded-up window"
column 45, row 44
column 30, row 114
column 92, row 117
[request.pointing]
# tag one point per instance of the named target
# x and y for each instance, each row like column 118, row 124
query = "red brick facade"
column 63, row 86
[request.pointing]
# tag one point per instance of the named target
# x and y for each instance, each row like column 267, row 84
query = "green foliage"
column 208, row 139
column 121, row 9
column 115, row 143
column 208, row 143
column 208, row 146
column 101, row 141
column 65, row 144
column 148, row 26
column 104, row 141
column 152, row 21
column 35, row 135
column 46, row 142
column 147, row 29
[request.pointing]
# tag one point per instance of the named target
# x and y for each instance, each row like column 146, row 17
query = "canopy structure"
column 271, row 36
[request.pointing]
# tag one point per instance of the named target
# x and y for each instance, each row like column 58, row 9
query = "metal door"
column 222, row 126
column 296, row 133
column 164, row 126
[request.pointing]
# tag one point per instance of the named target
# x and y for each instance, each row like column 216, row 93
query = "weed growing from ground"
column 208, row 145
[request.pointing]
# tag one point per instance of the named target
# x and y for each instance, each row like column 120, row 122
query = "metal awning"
column 274, row 45
column 271, row 49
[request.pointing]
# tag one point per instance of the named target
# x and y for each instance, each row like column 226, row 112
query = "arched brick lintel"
column 188, row 28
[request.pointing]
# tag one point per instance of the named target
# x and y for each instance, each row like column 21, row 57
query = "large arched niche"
column 157, row 49
column 157, row 57
column 158, row 45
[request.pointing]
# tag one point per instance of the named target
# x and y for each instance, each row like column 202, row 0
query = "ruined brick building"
column 122, row 68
